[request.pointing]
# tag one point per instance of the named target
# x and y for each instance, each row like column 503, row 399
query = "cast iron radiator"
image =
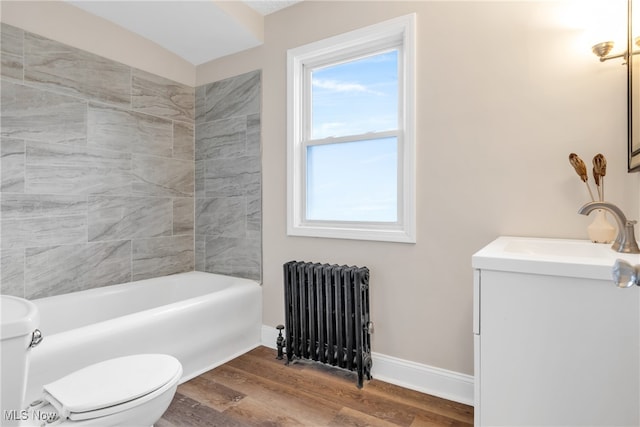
column 327, row 315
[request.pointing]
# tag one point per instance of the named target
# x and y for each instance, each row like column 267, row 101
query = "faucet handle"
column 630, row 234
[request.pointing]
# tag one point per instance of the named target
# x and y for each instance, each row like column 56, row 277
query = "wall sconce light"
column 603, row 49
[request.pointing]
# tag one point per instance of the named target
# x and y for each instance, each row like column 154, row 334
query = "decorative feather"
column 579, row 166
column 599, row 171
column 581, row 170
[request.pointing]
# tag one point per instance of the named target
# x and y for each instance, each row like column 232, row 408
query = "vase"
column 601, row 230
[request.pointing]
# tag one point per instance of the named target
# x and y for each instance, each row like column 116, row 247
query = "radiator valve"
column 369, row 327
column 280, row 342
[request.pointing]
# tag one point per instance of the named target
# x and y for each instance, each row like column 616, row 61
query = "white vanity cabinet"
column 556, row 342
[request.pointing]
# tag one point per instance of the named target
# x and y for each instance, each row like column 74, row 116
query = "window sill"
column 352, row 233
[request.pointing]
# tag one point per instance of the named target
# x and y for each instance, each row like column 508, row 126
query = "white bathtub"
column 202, row 319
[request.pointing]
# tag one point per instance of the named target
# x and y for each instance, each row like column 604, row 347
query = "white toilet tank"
column 20, row 318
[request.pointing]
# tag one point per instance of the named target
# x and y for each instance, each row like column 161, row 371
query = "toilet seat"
column 112, row 386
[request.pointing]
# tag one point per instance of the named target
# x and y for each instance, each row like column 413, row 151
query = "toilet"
column 126, row 391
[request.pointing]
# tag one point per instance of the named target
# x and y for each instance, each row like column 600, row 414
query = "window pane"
column 353, row 181
column 355, row 97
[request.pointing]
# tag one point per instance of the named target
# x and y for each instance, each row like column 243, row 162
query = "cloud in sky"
column 337, row 86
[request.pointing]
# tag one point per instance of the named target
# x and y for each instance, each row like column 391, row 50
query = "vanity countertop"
column 557, row 257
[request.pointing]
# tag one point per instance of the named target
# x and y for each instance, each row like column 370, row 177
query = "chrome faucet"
column 626, row 240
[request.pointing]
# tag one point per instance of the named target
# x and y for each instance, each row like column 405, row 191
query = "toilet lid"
column 112, row 382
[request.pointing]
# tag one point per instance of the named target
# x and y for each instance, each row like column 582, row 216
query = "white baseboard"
column 415, row 376
column 424, row 378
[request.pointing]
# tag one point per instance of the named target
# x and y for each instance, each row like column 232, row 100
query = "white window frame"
column 395, row 33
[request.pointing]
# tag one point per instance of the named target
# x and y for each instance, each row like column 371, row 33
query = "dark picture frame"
column 633, row 96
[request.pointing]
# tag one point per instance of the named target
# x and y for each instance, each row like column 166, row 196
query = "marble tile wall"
column 228, row 187
column 97, row 173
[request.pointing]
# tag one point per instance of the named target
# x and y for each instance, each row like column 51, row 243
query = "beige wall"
column 505, row 93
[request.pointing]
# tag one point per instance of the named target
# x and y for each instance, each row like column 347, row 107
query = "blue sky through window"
column 351, row 134
column 356, row 180
column 355, row 97
column 353, row 181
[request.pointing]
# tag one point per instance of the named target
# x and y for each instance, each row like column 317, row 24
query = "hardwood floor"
column 256, row 389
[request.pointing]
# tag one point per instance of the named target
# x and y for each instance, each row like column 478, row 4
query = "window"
column 351, row 150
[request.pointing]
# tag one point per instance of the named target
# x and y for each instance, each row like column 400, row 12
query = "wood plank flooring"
column 256, row 389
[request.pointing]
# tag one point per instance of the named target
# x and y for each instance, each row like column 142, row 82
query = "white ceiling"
column 265, row 7
column 196, row 30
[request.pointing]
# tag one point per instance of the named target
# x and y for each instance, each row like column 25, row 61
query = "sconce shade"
column 602, row 49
